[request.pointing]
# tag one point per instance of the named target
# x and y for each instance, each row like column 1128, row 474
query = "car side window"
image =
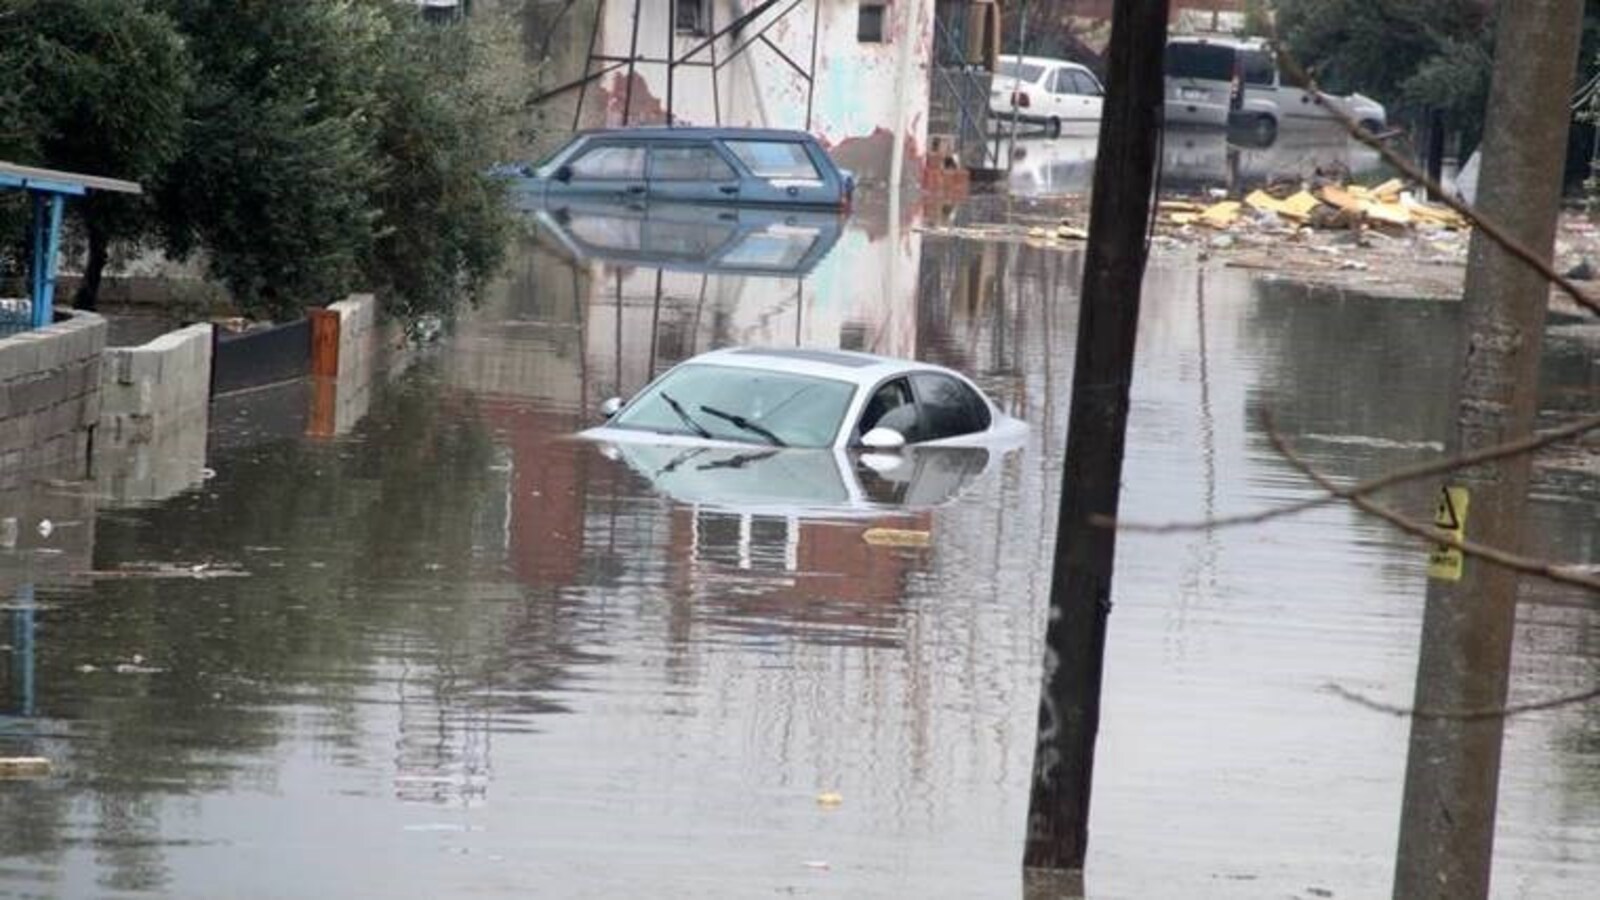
column 1085, row 84
column 609, row 162
column 688, row 162
column 1061, row 82
column 949, row 408
column 893, row 397
column 782, row 160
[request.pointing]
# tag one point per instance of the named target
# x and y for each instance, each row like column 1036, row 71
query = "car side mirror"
column 563, row 174
column 611, row 407
column 881, row 438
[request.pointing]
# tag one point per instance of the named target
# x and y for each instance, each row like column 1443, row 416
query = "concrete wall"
column 49, row 395
column 154, row 410
column 866, row 94
column 337, row 404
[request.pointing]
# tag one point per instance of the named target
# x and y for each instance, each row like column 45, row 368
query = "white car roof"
column 1045, row 61
column 863, row 369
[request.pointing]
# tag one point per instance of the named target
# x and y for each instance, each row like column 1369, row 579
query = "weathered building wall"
column 865, row 93
column 49, row 395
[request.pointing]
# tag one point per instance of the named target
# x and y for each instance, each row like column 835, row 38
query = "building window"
column 869, row 27
column 691, row 16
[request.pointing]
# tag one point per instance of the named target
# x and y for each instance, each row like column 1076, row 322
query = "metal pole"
column 1022, row 49
column 1447, row 815
column 811, row 84
column 672, row 47
column 1108, row 319
column 633, row 56
column 46, row 246
column 588, row 61
column 716, row 99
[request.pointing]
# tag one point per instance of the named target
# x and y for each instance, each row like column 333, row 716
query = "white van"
column 1234, row 82
column 1038, row 90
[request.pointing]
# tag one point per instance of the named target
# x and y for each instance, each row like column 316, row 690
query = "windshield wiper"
column 684, row 415
column 746, row 424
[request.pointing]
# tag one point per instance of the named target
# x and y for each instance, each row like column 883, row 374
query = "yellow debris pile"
column 1328, row 206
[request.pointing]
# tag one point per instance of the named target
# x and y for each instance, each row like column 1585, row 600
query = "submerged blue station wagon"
column 699, row 165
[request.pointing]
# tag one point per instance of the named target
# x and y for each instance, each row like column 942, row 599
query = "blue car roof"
column 699, row 132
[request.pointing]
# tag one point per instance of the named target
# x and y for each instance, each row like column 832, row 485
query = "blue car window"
column 787, row 160
column 610, row 162
column 695, row 162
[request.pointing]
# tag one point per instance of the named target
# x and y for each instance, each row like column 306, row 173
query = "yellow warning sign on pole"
column 1446, row 562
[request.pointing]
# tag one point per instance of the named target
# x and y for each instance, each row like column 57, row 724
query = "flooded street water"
column 463, row 654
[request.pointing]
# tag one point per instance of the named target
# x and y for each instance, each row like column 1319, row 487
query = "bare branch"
column 1529, row 444
column 1415, row 173
column 1527, row 565
column 1464, row 715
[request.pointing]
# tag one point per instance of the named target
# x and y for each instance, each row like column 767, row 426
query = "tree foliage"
column 1413, row 55
column 302, row 148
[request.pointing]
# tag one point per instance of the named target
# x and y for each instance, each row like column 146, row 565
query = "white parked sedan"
column 808, row 398
column 1054, row 93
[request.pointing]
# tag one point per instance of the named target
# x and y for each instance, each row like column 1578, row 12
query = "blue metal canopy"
column 49, row 189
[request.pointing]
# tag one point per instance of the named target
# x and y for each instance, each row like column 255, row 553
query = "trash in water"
column 830, row 798
column 817, row 864
column 24, row 767
column 46, row 527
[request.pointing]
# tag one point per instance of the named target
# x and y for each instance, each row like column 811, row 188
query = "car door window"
column 1085, row 84
column 776, row 160
column 610, row 162
column 691, row 162
column 948, row 407
column 891, row 397
column 1061, row 82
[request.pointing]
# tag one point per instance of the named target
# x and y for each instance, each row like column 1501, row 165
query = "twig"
column 1527, row 565
column 1529, row 444
column 1464, row 715
column 1415, row 173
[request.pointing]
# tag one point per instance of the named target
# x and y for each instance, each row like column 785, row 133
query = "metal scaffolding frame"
column 702, row 55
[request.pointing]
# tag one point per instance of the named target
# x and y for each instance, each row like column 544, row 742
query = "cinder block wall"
column 156, row 388
column 50, row 395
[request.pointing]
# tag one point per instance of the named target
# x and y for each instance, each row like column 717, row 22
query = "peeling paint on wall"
column 854, row 102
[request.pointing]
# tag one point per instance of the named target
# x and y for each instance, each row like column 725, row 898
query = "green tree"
column 275, row 175
column 443, row 116
column 107, row 84
column 1414, row 55
column 93, row 86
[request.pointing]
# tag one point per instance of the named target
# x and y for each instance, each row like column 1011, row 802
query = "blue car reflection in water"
column 686, row 238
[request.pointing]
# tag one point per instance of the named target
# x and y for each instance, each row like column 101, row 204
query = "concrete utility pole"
column 1453, row 767
column 1108, row 320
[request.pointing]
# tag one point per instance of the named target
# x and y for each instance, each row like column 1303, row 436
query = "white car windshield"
column 731, row 403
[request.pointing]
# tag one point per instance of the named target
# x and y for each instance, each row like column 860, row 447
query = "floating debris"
column 24, row 767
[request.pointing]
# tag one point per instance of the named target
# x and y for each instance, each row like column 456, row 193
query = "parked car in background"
column 1237, row 83
column 1038, row 90
column 747, row 166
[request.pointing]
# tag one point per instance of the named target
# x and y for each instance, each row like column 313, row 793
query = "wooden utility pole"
column 1453, row 767
column 1108, row 319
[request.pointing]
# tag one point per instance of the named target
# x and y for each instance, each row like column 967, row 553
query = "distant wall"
column 50, row 395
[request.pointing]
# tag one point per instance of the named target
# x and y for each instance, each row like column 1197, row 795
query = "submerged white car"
column 808, row 399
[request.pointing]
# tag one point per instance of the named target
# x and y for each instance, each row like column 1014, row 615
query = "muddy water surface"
column 469, row 655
